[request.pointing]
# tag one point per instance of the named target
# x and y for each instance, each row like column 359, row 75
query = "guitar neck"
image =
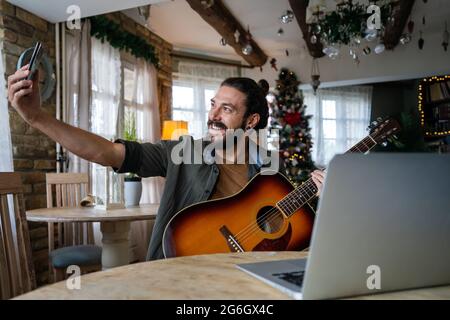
column 308, row 190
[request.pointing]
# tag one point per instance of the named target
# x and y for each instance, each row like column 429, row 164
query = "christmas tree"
column 288, row 116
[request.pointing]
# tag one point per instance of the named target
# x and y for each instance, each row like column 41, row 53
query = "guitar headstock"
column 382, row 129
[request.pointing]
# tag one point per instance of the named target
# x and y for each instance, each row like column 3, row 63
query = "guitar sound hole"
column 269, row 219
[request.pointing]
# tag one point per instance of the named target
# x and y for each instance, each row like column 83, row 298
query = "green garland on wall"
column 104, row 29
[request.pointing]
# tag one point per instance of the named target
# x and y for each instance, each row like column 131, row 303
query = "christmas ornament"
column 237, row 35
column 273, row 64
column 315, row 75
column 287, row 17
column 367, row 50
column 421, row 41
column 411, row 26
column 445, row 38
column 405, row 38
column 331, row 51
column 207, row 3
column 379, row 48
column 247, row 49
column 293, row 118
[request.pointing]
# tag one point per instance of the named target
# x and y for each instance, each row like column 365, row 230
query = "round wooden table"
column 205, row 277
column 196, row 277
column 114, row 225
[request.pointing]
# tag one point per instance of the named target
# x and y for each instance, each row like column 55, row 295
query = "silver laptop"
column 383, row 224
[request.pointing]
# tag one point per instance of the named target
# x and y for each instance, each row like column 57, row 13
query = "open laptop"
column 383, row 224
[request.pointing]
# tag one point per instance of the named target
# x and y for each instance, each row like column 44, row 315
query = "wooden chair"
column 17, row 274
column 74, row 243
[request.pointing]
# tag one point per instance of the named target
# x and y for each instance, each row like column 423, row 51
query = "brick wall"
column 34, row 154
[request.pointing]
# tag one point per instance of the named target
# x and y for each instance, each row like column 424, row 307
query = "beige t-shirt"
column 232, row 178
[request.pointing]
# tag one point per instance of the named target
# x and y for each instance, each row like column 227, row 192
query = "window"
column 340, row 118
column 106, row 101
column 194, row 85
column 133, row 104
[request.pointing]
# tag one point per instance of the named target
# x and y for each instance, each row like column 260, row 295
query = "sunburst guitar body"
column 247, row 221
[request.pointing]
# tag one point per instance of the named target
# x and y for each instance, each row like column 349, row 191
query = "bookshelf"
column 434, row 112
column 434, row 106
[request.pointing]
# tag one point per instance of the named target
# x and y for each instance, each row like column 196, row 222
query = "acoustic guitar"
column 268, row 214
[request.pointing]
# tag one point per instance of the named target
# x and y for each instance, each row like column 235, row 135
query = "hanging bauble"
column 331, row 51
column 287, row 17
column 411, row 26
column 445, row 38
column 421, row 41
column 380, row 48
column 273, row 64
column 371, row 34
column 405, row 38
column 247, row 49
column 313, row 39
column 292, row 118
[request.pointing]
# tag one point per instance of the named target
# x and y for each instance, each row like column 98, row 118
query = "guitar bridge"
column 232, row 243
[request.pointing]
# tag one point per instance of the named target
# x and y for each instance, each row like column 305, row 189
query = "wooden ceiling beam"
column 299, row 8
column 220, row 18
column 393, row 32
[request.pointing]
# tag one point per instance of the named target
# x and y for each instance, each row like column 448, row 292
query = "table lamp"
column 172, row 129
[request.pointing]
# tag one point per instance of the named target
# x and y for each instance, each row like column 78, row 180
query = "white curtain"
column 78, row 89
column 145, row 94
column 105, row 104
column 194, row 85
column 340, row 118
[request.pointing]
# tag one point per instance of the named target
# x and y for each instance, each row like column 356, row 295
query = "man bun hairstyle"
column 255, row 94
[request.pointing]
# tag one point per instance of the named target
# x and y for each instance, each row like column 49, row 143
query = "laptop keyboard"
column 295, row 277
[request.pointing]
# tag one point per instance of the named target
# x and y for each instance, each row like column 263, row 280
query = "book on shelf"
column 438, row 91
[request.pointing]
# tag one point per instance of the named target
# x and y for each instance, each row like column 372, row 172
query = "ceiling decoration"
column 233, row 33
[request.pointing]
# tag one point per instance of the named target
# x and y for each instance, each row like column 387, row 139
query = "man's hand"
column 24, row 94
column 318, row 177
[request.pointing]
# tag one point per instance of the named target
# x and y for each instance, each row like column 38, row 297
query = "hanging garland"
column 104, row 29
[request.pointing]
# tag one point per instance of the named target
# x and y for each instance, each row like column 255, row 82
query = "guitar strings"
column 272, row 214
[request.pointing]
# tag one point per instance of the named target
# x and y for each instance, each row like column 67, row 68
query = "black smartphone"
column 34, row 61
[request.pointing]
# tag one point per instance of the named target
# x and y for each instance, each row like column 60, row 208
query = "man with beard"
column 239, row 104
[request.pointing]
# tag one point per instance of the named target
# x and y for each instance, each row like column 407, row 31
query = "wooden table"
column 211, row 277
column 114, row 225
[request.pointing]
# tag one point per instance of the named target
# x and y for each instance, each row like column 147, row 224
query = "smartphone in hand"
column 34, row 61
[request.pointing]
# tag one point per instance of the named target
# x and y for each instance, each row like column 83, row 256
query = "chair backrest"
column 17, row 274
column 70, row 189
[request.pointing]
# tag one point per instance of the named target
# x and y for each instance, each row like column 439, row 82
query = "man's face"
column 227, row 112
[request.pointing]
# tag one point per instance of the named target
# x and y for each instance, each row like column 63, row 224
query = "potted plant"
column 132, row 182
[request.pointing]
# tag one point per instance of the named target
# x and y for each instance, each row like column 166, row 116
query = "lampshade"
column 172, row 130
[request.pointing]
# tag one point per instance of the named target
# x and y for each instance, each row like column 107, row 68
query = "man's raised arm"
column 25, row 98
